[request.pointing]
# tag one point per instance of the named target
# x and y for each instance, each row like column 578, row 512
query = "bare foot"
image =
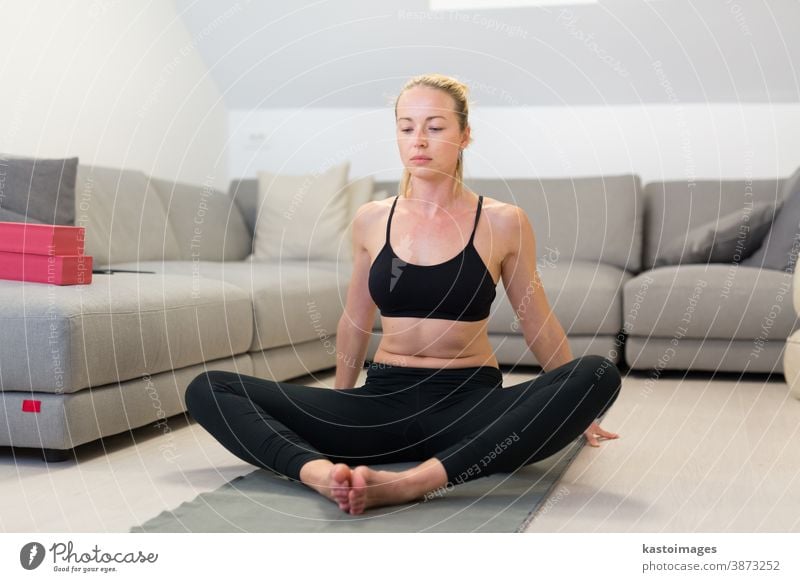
column 339, row 485
column 371, row 488
column 355, row 490
column 329, row 480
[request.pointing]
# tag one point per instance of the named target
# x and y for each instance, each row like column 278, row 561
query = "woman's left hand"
column 596, row 430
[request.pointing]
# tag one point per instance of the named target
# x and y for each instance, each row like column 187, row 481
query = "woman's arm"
column 543, row 333
column 351, row 350
column 355, row 326
column 540, row 327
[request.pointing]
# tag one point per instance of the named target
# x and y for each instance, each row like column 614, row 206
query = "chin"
column 425, row 171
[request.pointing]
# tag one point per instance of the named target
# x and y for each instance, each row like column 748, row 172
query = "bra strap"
column 477, row 216
column 391, row 212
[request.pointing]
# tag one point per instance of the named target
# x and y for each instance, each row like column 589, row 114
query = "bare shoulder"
column 507, row 220
column 499, row 210
column 370, row 211
column 366, row 220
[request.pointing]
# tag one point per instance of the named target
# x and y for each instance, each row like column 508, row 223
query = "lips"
column 420, row 159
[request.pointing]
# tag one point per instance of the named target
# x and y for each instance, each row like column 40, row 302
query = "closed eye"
column 432, row 129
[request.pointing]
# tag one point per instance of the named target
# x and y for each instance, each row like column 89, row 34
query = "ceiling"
column 344, row 53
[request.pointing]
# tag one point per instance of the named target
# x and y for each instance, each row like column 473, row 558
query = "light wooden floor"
column 696, row 454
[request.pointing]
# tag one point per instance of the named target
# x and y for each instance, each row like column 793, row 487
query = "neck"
column 435, row 196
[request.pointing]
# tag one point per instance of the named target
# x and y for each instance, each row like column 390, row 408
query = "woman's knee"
column 607, row 379
column 598, row 367
column 200, row 390
column 601, row 372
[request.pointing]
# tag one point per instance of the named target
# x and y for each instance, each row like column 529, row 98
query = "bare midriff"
column 438, row 343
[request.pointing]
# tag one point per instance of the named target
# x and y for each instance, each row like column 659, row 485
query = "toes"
column 341, row 473
column 358, row 490
column 340, row 485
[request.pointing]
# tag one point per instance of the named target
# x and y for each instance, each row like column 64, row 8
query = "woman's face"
column 428, row 130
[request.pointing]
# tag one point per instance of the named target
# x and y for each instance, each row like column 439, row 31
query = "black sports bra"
column 461, row 288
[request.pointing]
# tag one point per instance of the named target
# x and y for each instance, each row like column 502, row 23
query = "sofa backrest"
column 207, row 224
column 131, row 217
column 673, row 208
column 123, row 215
column 588, row 219
column 244, row 192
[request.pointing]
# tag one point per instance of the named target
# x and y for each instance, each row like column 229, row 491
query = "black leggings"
column 463, row 417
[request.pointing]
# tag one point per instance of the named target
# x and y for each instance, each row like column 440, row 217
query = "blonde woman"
column 430, row 259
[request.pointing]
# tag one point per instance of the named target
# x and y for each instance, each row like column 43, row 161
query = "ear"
column 466, row 139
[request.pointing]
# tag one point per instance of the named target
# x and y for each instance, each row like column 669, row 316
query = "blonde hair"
column 459, row 92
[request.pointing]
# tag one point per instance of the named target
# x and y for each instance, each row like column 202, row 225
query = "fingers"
column 594, row 431
column 597, row 429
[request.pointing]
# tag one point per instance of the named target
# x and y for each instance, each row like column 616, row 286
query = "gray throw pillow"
column 38, row 190
column 728, row 239
column 780, row 247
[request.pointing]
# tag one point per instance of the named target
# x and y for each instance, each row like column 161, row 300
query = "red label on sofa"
column 31, row 406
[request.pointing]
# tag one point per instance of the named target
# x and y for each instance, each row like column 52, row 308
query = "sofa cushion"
column 244, row 192
column 123, row 215
column 37, row 190
column 780, row 247
column 63, row 339
column 301, row 217
column 672, row 209
column 359, row 192
column 585, row 297
column 11, row 216
column 730, row 239
column 292, row 301
column 710, row 301
column 207, row 223
column 594, row 219
column 65, row 421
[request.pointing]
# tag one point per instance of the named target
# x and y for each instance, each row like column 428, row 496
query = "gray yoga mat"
column 262, row 501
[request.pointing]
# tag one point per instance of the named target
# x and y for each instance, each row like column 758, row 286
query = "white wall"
column 115, row 83
column 657, row 142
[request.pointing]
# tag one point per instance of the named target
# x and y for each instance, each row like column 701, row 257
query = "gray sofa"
column 100, row 359
column 713, row 317
column 117, row 354
column 598, row 242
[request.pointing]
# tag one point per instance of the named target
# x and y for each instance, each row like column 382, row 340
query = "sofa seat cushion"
column 585, row 297
column 293, row 301
column 712, row 301
column 64, row 339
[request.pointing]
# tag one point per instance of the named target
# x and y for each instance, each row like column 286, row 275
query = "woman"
column 434, row 390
